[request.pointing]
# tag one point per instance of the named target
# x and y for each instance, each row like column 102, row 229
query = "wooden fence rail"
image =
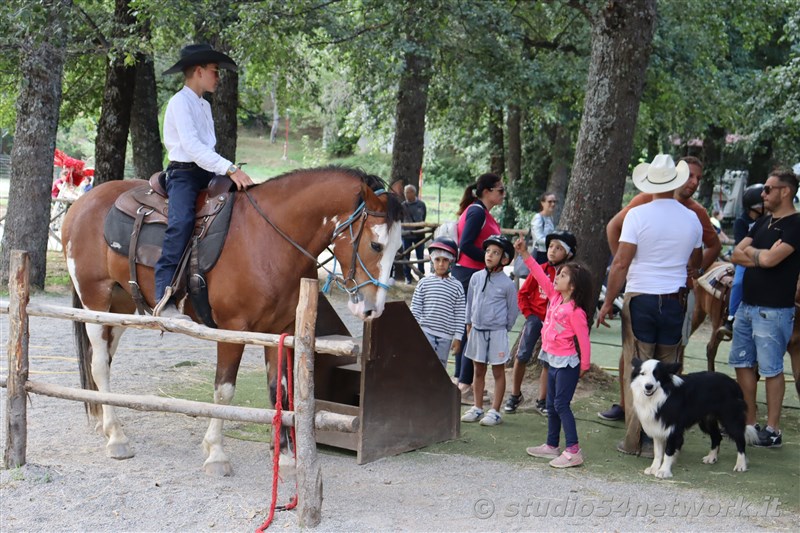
column 305, row 418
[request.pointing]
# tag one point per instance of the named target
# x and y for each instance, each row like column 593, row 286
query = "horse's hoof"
column 119, row 451
column 218, row 469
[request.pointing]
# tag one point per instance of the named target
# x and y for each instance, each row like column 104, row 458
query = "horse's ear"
column 373, row 201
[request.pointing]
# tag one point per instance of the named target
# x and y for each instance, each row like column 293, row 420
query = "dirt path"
column 70, row 485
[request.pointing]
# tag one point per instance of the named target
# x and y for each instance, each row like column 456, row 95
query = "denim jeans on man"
column 183, row 186
column 656, row 319
column 761, row 334
column 561, row 384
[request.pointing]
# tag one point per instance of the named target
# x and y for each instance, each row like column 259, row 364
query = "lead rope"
column 276, row 432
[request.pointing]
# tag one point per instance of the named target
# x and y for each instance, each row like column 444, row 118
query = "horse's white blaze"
column 391, row 241
column 71, row 269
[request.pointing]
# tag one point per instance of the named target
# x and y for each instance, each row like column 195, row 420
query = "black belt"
column 177, row 165
column 673, row 296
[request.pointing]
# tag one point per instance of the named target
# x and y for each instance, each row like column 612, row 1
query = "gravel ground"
column 69, row 484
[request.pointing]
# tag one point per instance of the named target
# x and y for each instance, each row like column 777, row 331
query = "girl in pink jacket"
column 569, row 311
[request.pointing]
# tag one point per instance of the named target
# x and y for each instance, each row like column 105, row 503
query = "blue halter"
column 349, row 284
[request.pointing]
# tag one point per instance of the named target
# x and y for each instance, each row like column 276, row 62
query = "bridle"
column 349, row 284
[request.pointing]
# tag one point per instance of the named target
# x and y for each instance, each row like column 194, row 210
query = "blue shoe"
column 768, row 438
column 616, row 412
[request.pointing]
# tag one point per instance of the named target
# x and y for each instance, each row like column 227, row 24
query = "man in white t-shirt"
column 658, row 241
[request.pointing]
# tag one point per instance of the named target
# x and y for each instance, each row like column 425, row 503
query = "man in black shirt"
column 415, row 212
column 764, row 320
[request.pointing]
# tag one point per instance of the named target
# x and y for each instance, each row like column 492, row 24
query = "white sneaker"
column 473, row 414
column 492, row 418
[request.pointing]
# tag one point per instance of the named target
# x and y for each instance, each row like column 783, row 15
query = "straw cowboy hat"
column 662, row 175
column 201, row 54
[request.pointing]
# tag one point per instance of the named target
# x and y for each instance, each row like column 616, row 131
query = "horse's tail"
column 84, row 349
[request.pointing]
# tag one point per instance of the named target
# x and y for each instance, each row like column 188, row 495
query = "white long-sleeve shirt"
column 189, row 132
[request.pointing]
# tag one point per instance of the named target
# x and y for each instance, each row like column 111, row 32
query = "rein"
column 361, row 212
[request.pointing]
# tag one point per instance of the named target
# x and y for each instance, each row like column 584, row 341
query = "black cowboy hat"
column 201, row 54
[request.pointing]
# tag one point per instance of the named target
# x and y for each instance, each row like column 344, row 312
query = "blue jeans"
column 656, row 320
column 761, row 334
column 420, row 254
column 183, row 186
column 464, row 369
column 531, row 332
column 561, row 384
column 736, row 290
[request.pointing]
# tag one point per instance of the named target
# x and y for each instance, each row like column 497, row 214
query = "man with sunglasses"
column 764, row 320
column 190, row 140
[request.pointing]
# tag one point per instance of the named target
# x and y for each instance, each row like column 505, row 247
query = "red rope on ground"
column 276, row 432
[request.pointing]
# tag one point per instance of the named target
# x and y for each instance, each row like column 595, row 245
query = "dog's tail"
column 750, row 435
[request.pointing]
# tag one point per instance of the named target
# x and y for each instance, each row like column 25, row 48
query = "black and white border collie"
column 668, row 404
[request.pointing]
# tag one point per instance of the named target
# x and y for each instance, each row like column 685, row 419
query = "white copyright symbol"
column 483, row 509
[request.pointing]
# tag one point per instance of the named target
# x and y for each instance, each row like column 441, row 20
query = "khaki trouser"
column 631, row 347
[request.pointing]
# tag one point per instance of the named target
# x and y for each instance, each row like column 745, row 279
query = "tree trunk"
column 111, row 142
column 514, row 144
column 412, row 104
column 224, row 106
column 148, row 156
column 28, row 217
column 561, row 149
column 497, row 155
column 712, row 163
column 622, row 35
column 761, row 162
column 273, row 132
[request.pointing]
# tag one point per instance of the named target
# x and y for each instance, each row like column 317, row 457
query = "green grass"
column 265, row 160
column 775, row 473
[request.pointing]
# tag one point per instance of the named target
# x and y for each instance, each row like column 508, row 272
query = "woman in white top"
column 542, row 225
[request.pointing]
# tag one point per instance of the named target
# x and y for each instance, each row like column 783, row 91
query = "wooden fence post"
column 18, row 335
column 309, row 475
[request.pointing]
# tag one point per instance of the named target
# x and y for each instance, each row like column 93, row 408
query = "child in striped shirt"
column 438, row 303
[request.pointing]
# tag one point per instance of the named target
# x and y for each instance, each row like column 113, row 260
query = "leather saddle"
column 153, row 198
column 135, row 228
column 718, row 281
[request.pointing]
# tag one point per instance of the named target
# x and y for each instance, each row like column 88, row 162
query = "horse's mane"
column 394, row 208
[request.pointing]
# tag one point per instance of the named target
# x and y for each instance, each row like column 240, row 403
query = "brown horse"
column 706, row 304
column 254, row 285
